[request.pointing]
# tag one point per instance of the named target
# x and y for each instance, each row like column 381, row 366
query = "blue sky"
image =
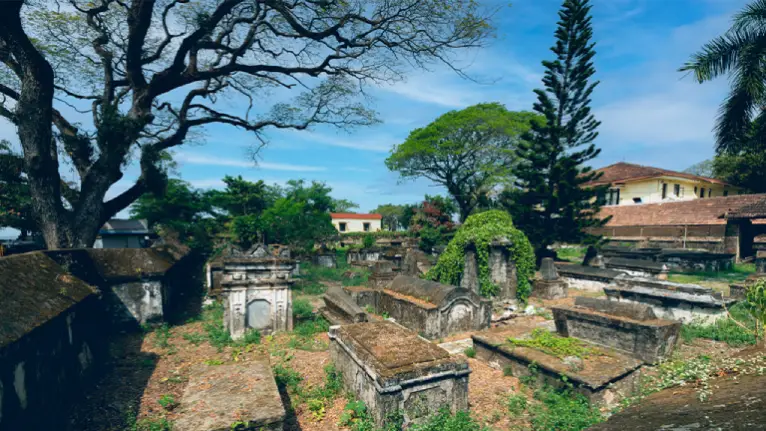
column 650, row 113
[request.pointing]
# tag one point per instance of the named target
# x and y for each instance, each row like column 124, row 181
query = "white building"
column 120, row 233
column 350, row 222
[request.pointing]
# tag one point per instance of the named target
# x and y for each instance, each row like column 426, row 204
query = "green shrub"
column 252, row 336
column 287, row 379
column 479, row 231
column 726, row 329
column 516, row 403
column 150, row 424
column 167, row 401
column 470, row 352
column 302, row 309
column 368, row 241
column 309, row 328
column 562, row 410
column 446, row 421
column 356, row 417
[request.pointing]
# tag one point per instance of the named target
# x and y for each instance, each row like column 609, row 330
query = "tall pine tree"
column 548, row 203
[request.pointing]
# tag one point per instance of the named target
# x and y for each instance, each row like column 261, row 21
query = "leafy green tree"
column 703, row 169
column 549, row 203
column 392, row 216
column 179, row 208
column 468, row 151
column 15, row 201
column 746, row 169
column 241, row 197
column 150, row 74
column 432, row 221
column 344, row 205
column 739, row 54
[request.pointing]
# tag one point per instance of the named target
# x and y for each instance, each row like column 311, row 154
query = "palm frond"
column 721, row 55
column 751, row 18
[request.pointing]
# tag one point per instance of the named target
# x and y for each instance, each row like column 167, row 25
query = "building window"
column 664, row 191
column 677, row 190
column 342, row 227
column 702, row 192
column 726, row 193
column 695, row 190
column 612, row 197
column 709, row 192
column 366, row 227
column 637, row 200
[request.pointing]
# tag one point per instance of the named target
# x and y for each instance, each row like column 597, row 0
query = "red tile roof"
column 623, row 172
column 694, row 212
column 357, row 216
column 755, row 210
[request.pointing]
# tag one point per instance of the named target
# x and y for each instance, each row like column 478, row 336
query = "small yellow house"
column 350, row 222
column 631, row 184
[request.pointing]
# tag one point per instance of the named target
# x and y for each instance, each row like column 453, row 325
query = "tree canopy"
column 148, row 75
column 468, row 151
column 15, row 202
column 549, row 202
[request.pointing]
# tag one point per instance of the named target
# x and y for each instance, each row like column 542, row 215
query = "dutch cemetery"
column 151, row 284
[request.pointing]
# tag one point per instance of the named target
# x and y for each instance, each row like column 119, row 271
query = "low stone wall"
column 586, row 277
column 672, row 301
column 52, row 342
column 394, row 371
column 604, row 378
column 432, row 309
column 631, row 328
column 257, row 295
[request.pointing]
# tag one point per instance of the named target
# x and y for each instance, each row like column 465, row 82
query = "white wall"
column 650, row 191
column 127, row 241
column 356, row 225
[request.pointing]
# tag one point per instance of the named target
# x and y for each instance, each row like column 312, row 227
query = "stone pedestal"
column 394, row 371
column 256, row 295
column 549, row 286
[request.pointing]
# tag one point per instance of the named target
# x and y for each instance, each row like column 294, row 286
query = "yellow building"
column 350, row 222
column 631, row 184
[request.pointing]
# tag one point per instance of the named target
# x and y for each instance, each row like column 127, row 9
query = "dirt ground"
column 146, row 368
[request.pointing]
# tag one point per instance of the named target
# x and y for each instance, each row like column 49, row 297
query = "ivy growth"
column 478, row 231
column 554, row 345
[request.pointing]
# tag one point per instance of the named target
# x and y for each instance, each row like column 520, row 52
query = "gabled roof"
column 708, row 211
column 356, row 216
column 625, row 172
column 34, row 289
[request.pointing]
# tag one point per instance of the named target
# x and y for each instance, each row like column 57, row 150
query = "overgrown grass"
column 562, row 410
column 724, row 329
column 316, row 397
column 312, row 276
column 574, row 253
column 552, row 344
column 357, row 418
column 738, row 273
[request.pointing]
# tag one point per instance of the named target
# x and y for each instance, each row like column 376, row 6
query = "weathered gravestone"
column 231, row 397
column 549, row 286
column 257, row 294
column 433, row 309
column 630, row 328
column 395, row 372
column 502, row 270
column 382, row 274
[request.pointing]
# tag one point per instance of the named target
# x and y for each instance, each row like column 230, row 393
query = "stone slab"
column 586, row 277
column 394, row 370
column 340, row 303
column 218, row 396
column 630, row 328
column 604, row 378
column 549, row 289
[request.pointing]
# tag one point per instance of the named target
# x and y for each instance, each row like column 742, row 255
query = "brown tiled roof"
column 622, row 172
column 355, row 216
column 693, row 212
column 755, row 210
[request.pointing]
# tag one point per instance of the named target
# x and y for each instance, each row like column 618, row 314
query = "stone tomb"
column 502, row 270
column 549, row 285
column 340, row 308
column 394, row 371
column 220, row 397
column 630, row 328
column 673, row 301
column 638, row 267
column 588, row 278
column 256, row 295
column 604, row 377
column 381, row 274
column 432, row 309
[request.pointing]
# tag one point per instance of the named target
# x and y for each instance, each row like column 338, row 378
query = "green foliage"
column 167, row 401
column 312, row 276
column 287, row 378
column 738, row 273
column 725, row 330
column 195, row 339
column 252, row 336
column 356, row 417
column 548, row 201
column 470, row 352
column 217, row 335
column 15, row 198
column 467, row 151
column 444, row 420
column 755, row 304
column 368, row 241
column 746, row 168
column 311, row 327
column 162, row 336
column 562, row 410
column 302, row 309
column 479, row 231
column 516, row 404
column 552, row 344
column 574, row 254
column 392, row 217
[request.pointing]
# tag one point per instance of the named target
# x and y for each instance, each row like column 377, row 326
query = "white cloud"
column 208, row 160
column 380, row 143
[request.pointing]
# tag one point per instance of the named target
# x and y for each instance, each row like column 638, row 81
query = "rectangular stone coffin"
column 432, row 309
column 602, row 378
column 256, row 295
column 393, row 370
column 672, row 301
column 631, row 328
column 340, row 307
column 219, row 396
column 586, row 277
column 696, row 260
column 636, row 267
